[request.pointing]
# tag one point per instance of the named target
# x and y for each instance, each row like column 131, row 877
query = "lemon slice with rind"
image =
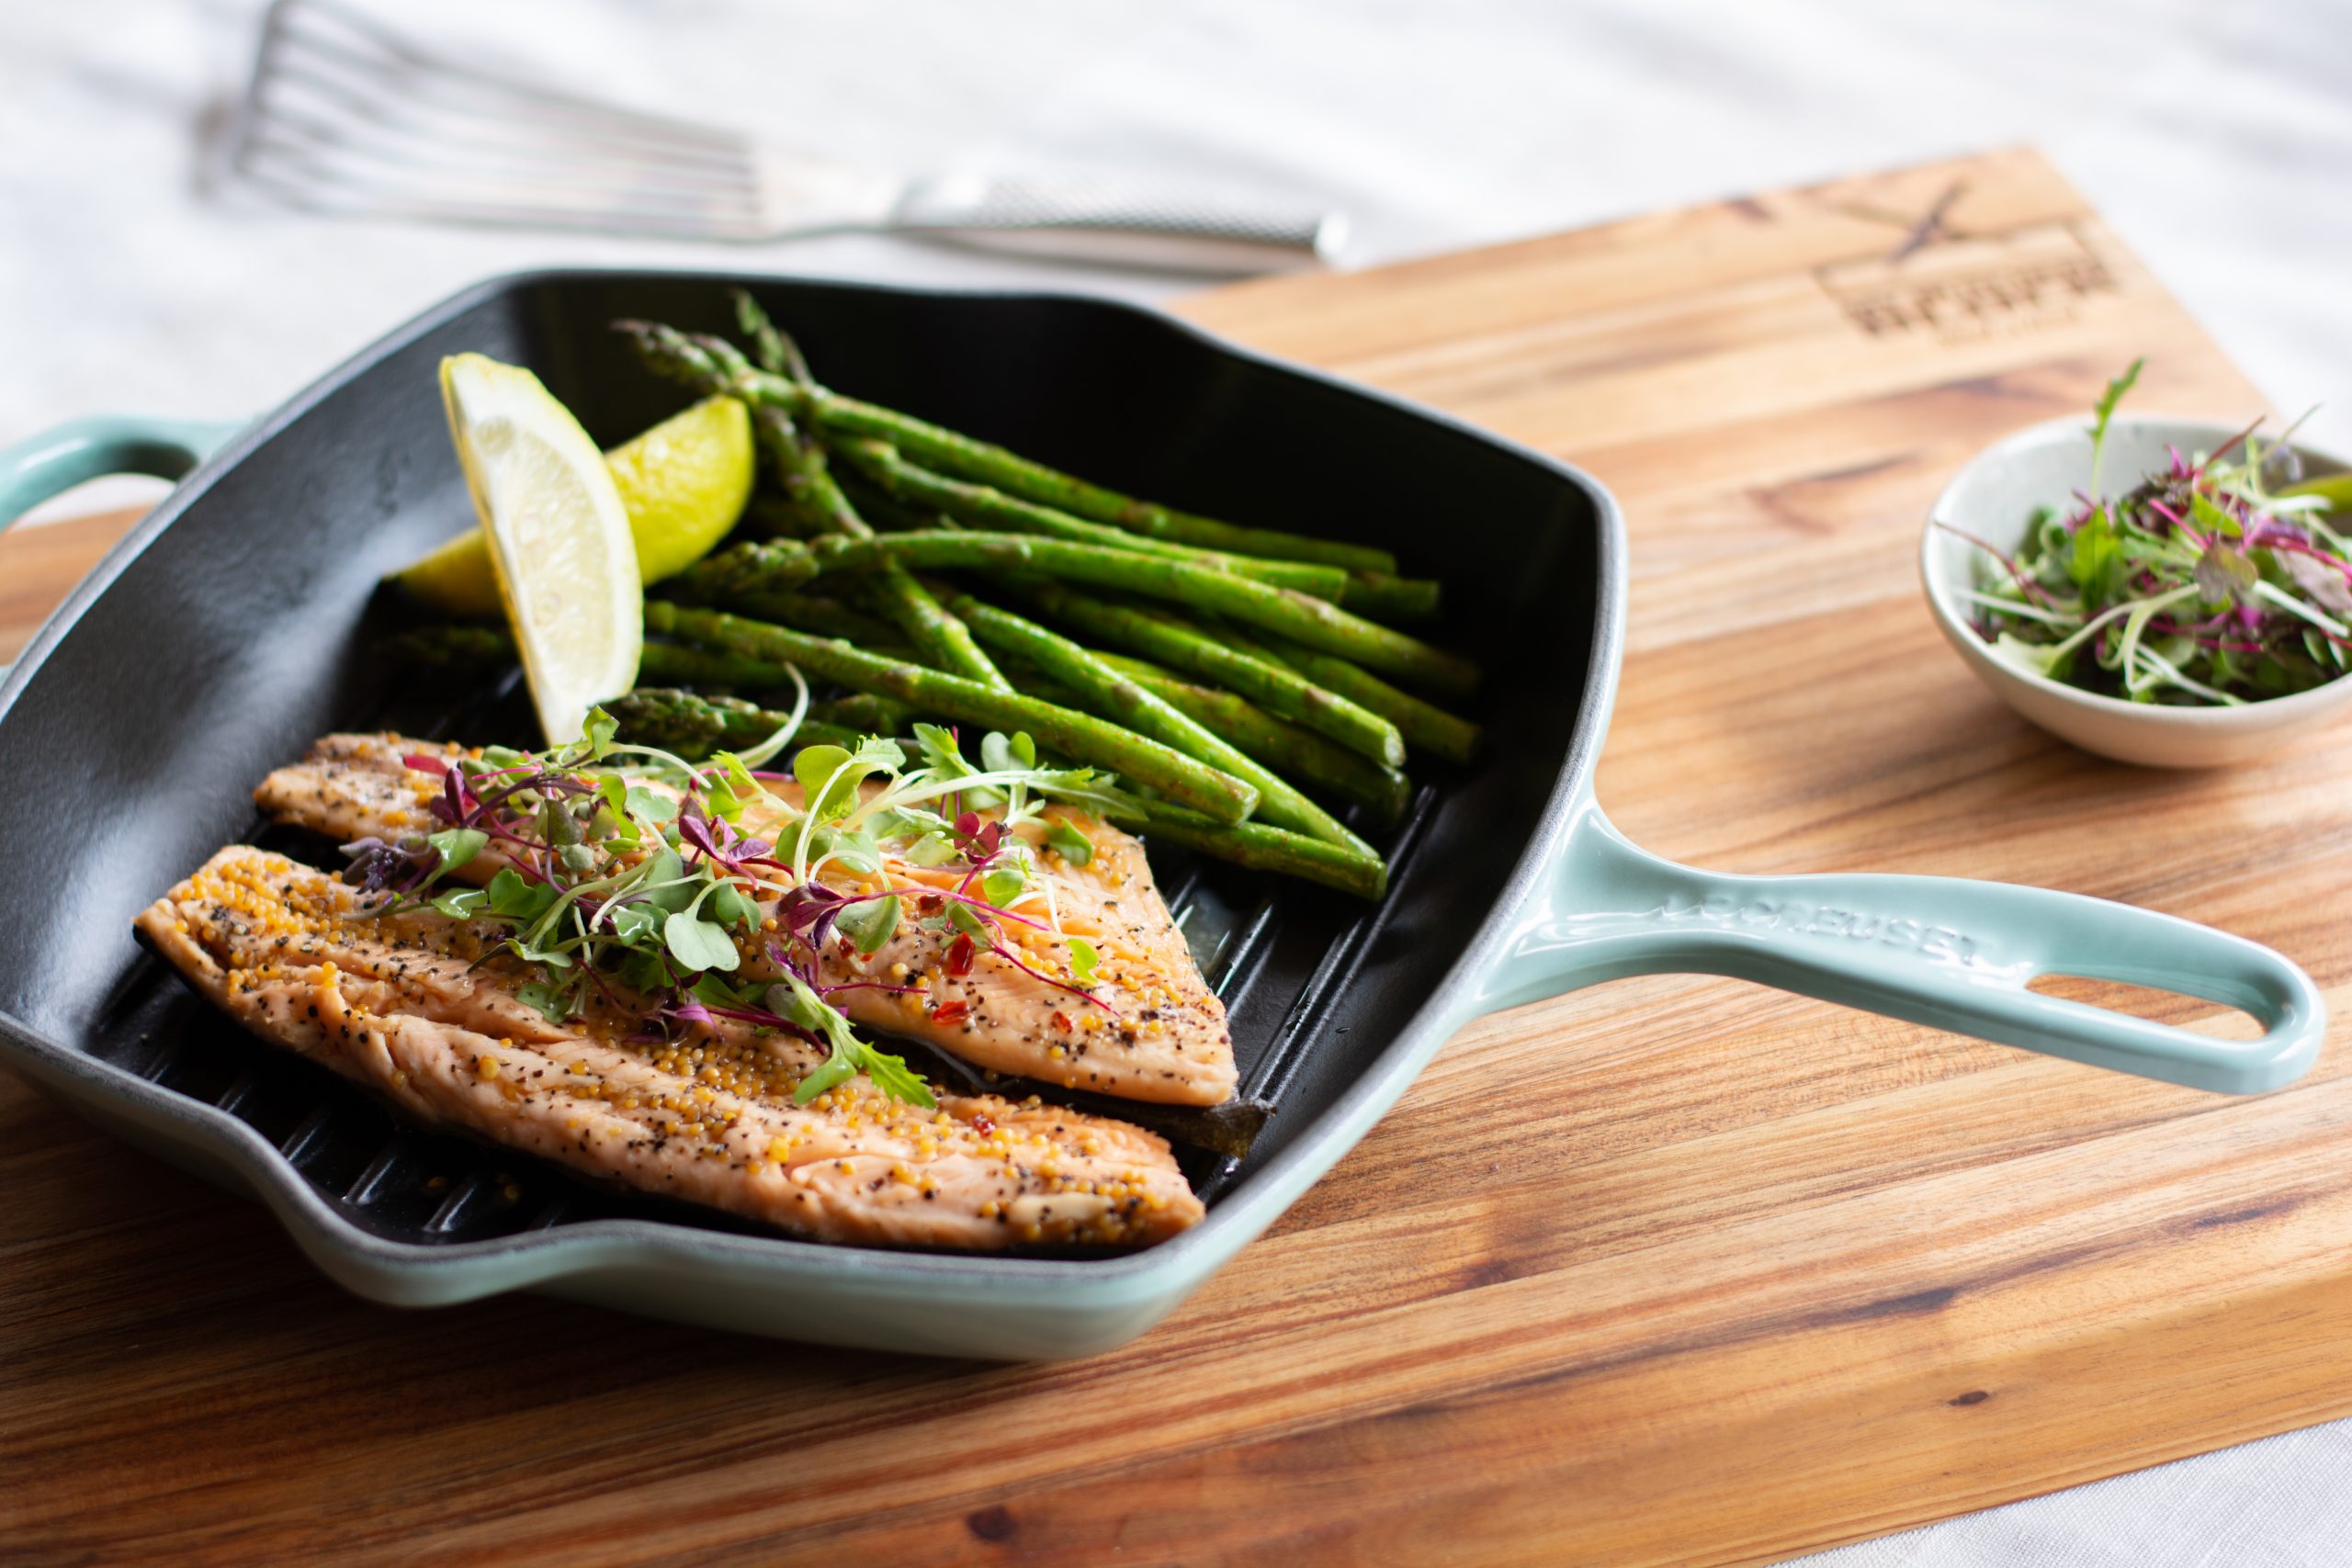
column 684, row 483
column 559, row 538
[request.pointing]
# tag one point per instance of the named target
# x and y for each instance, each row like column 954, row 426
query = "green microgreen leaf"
column 855, row 849
column 651, row 805
column 1003, row 885
column 697, row 944
column 815, row 764
column 839, row 789
column 730, row 907
column 599, row 731
column 869, row 924
column 795, row 1000
column 2103, row 411
column 461, row 904
column 894, row 1078
column 734, row 786
column 516, row 898
column 550, row 1001
column 1069, row 842
column 666, row 882
column 1083, row 960
column 1003, row 754
column 939, row 750
column 2014, row 649
column 635, row 923
column 456, row 845
column 837, row 1069
column 714, row 990
column 643, row 970
column 965, row 918
column 2096, row 553
column 944, row 762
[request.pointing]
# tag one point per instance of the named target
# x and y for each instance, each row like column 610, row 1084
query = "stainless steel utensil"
column 343, row 115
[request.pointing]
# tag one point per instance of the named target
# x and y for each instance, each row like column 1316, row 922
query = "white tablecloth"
column 2216, row 138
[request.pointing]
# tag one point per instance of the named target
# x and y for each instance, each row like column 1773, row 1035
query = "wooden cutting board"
column 1670, row 1270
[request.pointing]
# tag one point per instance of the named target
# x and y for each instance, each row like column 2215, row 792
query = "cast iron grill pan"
column 241, row 630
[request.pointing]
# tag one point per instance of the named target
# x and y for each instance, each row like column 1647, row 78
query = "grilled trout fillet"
column 398, row 1004
column 1163, row 1037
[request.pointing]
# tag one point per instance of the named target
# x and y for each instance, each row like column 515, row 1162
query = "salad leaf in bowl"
column 2161, row 590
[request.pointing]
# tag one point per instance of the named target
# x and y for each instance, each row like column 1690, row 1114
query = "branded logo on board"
column 1958, row 283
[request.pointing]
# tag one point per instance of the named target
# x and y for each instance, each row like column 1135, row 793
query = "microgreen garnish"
column 1069, row 842
column 631, row 882
column 2202, row 584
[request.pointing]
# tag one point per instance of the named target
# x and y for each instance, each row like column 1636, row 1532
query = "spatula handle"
column 1129, row 222
column 1937, row 951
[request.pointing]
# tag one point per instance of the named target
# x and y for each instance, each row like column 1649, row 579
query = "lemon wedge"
column 559, row 538
column 684, row 483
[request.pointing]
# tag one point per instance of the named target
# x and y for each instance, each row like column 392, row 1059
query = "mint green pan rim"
column 1583, row 905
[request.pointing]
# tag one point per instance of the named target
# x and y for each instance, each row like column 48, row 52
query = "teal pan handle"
column 58, row 460
column 1937, row 951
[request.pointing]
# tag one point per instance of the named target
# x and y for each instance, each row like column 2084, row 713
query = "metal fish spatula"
column 346, row 116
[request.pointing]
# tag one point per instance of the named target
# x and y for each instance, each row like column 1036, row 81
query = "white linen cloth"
column 2216, row 139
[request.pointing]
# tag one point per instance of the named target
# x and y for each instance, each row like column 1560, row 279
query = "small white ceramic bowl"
column 2043, row 465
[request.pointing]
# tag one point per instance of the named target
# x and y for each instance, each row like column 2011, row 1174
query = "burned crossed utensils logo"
column 1954, row 284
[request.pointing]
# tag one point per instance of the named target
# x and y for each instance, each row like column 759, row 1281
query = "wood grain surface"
column 1670, row 1270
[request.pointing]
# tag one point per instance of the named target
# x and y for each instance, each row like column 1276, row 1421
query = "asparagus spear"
column 694, row 726
column 865, row 713
column 460, row 648
column 785, row 563
column 1261, row 848
column 943, row 640
column 778, row 355
column 671, row 664
column 902, row 495
column 1117, row 697
column 711, row 366
column 946, row 451
column 1144, row 762
column 1383, row 596
column 1271, row 686
column 912, row 497
column 770, row 515
column 816, row 613
column 480, row 650
column 1383, row 791
column 919, row 487
column 1423, row 724
column 886, row 511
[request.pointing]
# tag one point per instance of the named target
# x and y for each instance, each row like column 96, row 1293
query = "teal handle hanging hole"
column 1941, row 952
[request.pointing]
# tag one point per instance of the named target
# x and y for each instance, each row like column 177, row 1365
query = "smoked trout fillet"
column 404, row 1005
column 1160, row 1034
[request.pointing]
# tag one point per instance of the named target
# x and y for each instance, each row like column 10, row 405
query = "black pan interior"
column 242, row 629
